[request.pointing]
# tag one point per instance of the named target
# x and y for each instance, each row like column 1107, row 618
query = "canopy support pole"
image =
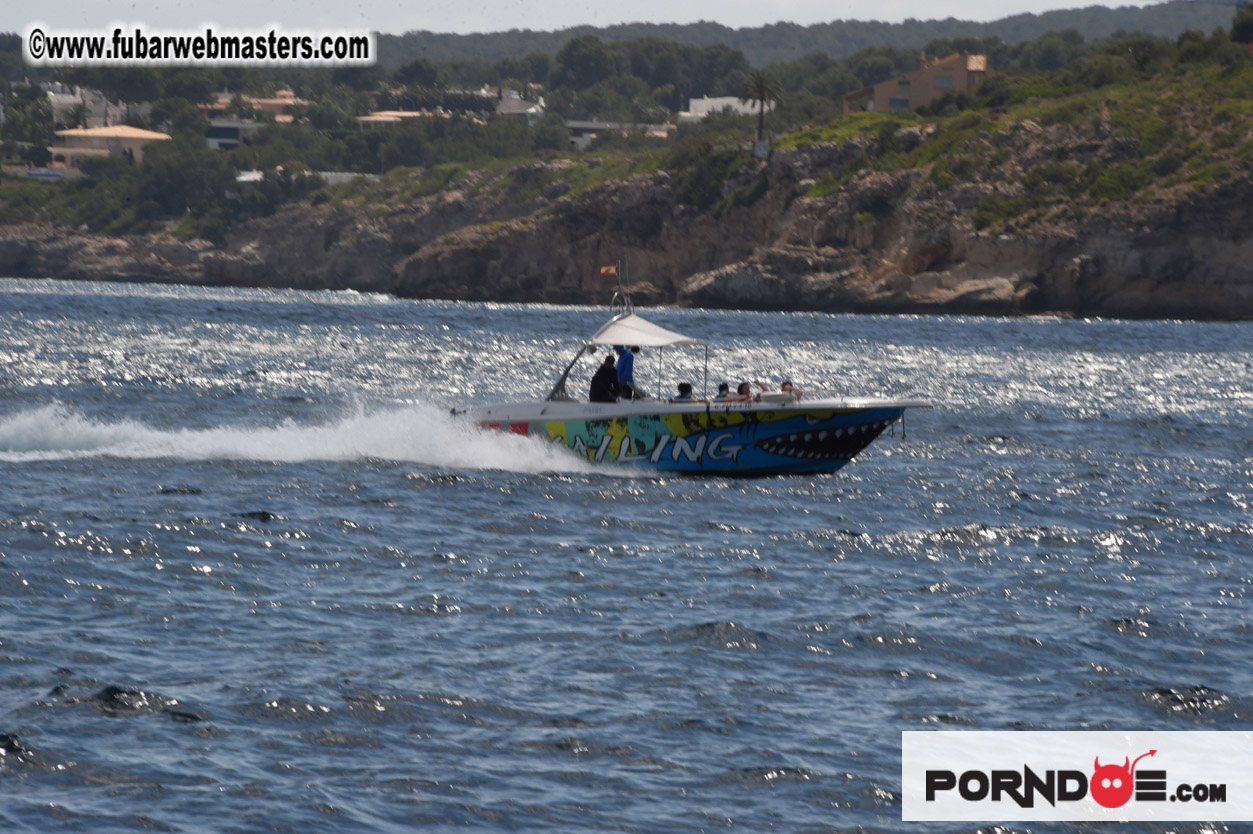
column 661, row 357
column 704, row 385
column 559, row 390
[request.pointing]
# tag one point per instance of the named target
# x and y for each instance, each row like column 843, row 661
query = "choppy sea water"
column 255, row 578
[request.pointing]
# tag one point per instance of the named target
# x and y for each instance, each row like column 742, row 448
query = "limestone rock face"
column 776, row 236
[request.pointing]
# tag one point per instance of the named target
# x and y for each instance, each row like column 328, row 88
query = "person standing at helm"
column 604, row 388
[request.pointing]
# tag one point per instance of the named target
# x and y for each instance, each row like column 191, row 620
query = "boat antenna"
column 621, row 304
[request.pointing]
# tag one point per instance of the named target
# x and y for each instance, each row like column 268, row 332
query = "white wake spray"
column 419, row 434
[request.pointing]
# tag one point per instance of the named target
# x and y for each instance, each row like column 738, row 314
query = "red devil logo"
column 1111, row 785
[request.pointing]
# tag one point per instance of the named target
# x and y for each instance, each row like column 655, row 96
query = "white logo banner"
column 1038, row 776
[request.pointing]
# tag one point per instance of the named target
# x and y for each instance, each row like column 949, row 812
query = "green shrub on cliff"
column 826, row 185
column 839, row 131
column 699, row 170
column 1118, row 182
column 995, row 209
column 435, row 179
column 1210, row 173
column 1168, row 162
column 744, row 195
column 1138, row 118
column 942, row 175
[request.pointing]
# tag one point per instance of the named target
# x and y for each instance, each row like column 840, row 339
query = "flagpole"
column 621, row 268
column 621, row 303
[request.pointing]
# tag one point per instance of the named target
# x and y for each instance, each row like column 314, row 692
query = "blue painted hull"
column 718, row 440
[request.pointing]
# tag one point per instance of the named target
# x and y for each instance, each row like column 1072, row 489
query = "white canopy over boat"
column 630, row 329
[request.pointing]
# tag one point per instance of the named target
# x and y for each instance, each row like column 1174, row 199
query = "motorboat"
column 774, row 434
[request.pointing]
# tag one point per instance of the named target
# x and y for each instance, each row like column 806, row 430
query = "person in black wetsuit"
column 605, row 383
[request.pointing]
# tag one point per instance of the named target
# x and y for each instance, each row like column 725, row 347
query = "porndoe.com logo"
column 1039, row 776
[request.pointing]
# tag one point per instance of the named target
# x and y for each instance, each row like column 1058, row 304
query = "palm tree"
column 761, row 88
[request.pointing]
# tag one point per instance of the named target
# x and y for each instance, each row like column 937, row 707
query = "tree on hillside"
column 194, row 84
column 180, row 118
column 28, row 119
column 583, row 62
column 761, row 89
column 184, row 175
column 359, row 79
column 419, row 71
column 126, row 85
column 12, row 67
column 1242, row 26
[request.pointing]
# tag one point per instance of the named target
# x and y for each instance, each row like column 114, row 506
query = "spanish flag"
column 609, row 269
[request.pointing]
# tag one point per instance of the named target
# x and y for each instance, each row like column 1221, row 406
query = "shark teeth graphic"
column 823, row 444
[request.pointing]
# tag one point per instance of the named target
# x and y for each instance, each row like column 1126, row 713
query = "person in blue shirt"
column 626, row 371
column 724, row 391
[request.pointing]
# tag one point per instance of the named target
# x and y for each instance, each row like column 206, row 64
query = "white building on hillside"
column 699, row 108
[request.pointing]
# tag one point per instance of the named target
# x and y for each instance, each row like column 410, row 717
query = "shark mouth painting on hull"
column 824, row 444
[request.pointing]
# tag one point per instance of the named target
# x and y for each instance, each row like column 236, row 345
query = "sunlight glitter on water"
column 252, row 568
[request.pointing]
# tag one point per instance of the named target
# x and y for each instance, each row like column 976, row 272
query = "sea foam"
column 421, row 434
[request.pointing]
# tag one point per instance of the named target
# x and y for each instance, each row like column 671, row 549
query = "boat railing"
column 621, row 304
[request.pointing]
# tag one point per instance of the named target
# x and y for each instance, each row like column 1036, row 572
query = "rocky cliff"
column 812, row 228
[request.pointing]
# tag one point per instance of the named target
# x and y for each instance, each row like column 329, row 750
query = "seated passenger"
column 605, row 383
column 743, row 394
column 685, row 394
column 788, row 388
column 724, row 392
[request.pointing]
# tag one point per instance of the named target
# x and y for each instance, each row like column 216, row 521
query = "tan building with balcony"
column 73, row 146
column 954, row 74
column 281, row 106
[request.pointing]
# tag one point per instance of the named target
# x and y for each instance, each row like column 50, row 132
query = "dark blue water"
column 255, row 579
